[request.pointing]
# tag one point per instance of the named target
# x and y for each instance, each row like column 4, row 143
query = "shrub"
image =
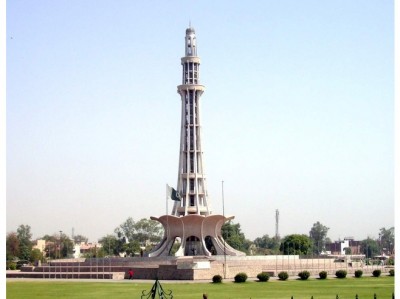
column 323, row 274
column 341, row 273
column 390, row 261
column 217, row 278
column 376, row 273
column 283, row 275
column 12, row 266
column 263, row 276
column 304, row 275
column 241, row 277
column 391, row 272
column 358, row 273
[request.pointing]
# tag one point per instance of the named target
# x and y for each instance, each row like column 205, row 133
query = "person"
column 130, row 274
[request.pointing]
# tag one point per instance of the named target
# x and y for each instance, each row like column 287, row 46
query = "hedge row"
column 304, row 275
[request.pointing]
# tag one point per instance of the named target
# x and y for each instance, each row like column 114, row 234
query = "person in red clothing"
column 130, row 274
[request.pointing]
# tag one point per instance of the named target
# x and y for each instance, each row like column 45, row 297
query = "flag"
column 173, row 194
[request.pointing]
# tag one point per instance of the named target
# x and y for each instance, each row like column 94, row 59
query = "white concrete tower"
column 191, row 221
column 191, row 178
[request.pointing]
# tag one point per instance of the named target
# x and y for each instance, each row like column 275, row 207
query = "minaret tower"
column 191, row 221
column 191, row 178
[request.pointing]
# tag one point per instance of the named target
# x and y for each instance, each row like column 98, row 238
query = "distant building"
column 40, row 244
column 85, row 248
column 78, row 251
column 339, row 247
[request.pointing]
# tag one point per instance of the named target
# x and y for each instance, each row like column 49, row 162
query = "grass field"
column 347, row 288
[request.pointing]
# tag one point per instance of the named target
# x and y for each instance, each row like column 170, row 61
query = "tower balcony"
column 185, row 87
column 193, row 59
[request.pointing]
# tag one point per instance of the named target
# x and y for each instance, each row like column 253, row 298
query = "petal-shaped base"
column 200, row 235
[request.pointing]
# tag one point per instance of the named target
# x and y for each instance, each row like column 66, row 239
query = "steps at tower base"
column 66, row 275
column 186, row 268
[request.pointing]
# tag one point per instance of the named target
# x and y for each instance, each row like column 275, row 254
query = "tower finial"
column 190, row 42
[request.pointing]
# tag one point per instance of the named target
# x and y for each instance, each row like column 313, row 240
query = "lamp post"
column 109, row 255
column 223, row 214
column 59, row 250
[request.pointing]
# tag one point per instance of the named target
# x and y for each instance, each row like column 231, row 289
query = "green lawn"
column 347, row 288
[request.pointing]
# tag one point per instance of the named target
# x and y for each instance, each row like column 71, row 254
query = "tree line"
column 131, row 238
column 315, row 243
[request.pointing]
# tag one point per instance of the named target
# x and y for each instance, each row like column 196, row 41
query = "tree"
column 110, row 245
column 66, row 246
column 58, row 246
column 296, row 244
column 318, row 236
column 131, row 248
column 126, row 230
column 386, row 239
column 36, row 255
column 50, row 248
column 347, row 250
column 129, row 232
column 24, row 233
column 25, row 244
column 12, row 246
column 141, row 231
column 146, row 229
column 369, row 247
column 234, row 237
column 267, row 245
column 78, row 239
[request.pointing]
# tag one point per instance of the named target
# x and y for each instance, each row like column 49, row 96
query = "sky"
column 297, row 113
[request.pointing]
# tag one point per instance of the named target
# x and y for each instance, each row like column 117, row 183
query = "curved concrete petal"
column 193, row 231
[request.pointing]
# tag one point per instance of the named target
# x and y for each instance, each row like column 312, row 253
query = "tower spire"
column 190, row 42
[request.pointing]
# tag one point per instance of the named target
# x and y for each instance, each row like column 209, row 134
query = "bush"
column 391, row 272
column 283, row 275
column 390, row 261
column 217, row 278
column 12, row 266
column 341, row 273
column 376, row 273
column 358, row 273
column 263, row 276
column 323, row 274
column 241, row 277
column 304, row 275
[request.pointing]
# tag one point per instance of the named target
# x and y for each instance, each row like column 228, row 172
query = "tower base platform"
column 188, row 268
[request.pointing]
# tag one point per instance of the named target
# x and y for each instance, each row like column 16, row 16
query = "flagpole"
column 166, row 212
column 166, row 201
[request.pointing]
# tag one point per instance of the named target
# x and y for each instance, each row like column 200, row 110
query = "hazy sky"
column 298, row 113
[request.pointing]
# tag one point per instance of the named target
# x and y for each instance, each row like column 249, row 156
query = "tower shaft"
column 191, row 176
column 191, row 221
